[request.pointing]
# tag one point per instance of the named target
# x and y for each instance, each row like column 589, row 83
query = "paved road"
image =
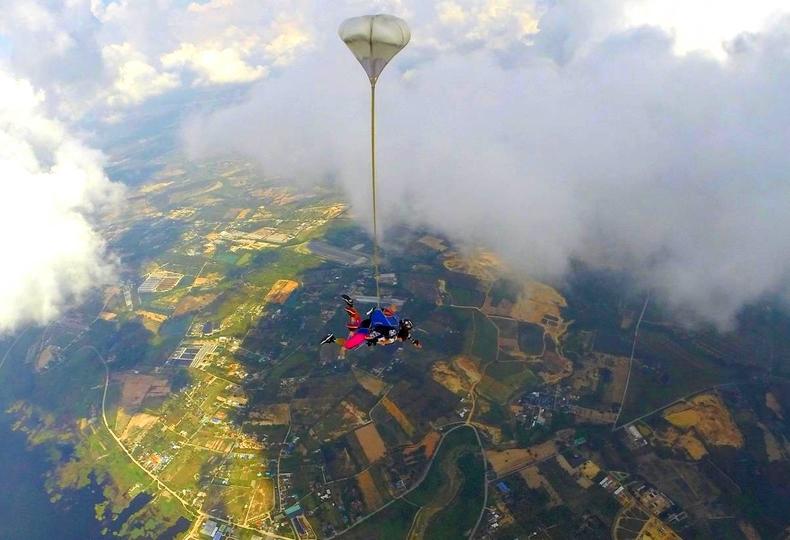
column 422, row 478
column 631, row 361
column 191, row 510
column 11, row 348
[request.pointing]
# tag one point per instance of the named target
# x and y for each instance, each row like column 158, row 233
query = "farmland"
column 219, row 405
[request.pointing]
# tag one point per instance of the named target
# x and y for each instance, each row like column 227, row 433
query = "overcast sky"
column 645, row 135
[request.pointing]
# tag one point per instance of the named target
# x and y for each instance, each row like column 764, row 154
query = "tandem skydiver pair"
column 382, row 326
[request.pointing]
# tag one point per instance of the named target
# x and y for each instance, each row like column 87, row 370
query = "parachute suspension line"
column 373, row 189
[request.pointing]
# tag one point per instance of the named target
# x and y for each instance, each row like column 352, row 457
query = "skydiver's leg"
column 354, row 318
column 354, row 340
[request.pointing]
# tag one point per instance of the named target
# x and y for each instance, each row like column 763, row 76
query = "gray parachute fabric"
column 374, row 40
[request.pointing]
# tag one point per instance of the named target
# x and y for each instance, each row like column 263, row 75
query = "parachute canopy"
column 374, row 40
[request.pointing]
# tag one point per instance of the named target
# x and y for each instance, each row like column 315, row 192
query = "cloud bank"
column 589, row 140
column 50, row 184
column 645, row 135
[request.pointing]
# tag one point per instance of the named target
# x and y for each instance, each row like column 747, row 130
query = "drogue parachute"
column 374, row 40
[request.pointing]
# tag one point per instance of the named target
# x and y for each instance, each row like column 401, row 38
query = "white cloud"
column 214, row 63
column 239, row 56
column 49, row 185
column 63, row 46
column 644, row 151
column 624, row 154
column 701, row 25
column 211, row 5
column 290, row 39
column 134, row 79
column 450, row 12
column 491, row 24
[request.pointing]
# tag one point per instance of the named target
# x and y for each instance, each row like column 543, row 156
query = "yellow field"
column 207, row 280
column 684, row 441
column 334, row 211
column 535, row 480
column 618, row 366
column 709, row 418
column 369, row 490
column 151, row 320
column 589, row 469
column 428, row 445
column 536, row 303
column 369, row 382
column 433, row 243
column 181, row 213
column 193, row 303
column 135, row 388
column 281, row 290
column 121, row 419
column 484, row 265
column 398, row 415
column 683, row 418
column 261, row 497
column 748, row 530
column 553, row 368
column 445, row 375
column 494, row 433
column 469, row 368
column 540, row 304
column 371, row 443
column 158, row 317
column 138, row 422
column 276, row 414
column 503, row 461
column 279, row 196
column 772, row 403
column 151, row 188
column 351, row 417
column 655, row 529
column 772, row 447
column 692, row 445
column 44, row 358
column 593, row 416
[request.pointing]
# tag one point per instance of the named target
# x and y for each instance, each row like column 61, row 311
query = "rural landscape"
column 193, row 400
column 395, row 270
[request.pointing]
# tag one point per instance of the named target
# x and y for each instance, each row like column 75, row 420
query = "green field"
column 450, row 496
column 451, row 493
column 504, row 378
column 392, row 523
column 664, row 370
column 480, row 334
column 530, row 338
column 465, row 296
column 457, row 519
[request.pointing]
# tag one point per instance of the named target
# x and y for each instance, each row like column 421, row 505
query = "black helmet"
column 407, row 324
